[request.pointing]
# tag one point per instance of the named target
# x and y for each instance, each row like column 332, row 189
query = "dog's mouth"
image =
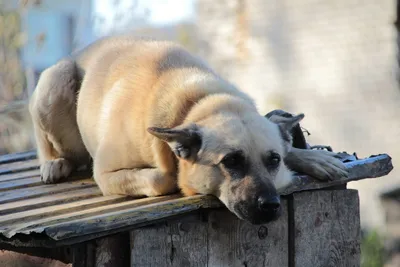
column 254, row 215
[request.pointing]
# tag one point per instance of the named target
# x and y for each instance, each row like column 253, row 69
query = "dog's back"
column 124, row 77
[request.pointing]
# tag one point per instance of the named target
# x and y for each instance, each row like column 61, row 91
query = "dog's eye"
column 234, row 160
column 272, row 160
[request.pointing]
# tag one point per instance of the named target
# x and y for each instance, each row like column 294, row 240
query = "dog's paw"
column 325, row 166
column 53, row 171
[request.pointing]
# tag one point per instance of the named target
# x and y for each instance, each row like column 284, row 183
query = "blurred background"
column 335, row 60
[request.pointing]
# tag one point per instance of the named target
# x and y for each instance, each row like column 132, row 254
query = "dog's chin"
column 254, row 216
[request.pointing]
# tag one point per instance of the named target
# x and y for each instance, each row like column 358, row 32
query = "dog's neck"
column 201, row 94
column 214, row 104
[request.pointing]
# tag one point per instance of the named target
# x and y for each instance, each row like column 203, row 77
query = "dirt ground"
column 13, row 259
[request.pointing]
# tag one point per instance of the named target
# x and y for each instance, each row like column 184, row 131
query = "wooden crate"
column 73, row 222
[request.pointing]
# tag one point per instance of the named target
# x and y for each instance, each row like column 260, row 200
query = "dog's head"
column 237, row 157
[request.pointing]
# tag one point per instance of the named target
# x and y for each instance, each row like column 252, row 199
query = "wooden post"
column 327, row 228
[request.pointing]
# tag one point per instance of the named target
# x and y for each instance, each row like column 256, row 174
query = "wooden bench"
column 72, row 222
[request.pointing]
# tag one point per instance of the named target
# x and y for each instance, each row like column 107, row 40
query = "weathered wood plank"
column 139, row 214
column 233, row 242
column 36, row 214
column 37, row 191
column 84, row 219
column 8, row 158
column 19, row 166
column 180, row 242
column 372, row 167
column 20, row 183
column 327, row 228
column 20, row 175
column 49, row 200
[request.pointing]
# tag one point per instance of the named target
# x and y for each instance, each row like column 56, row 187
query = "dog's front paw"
column 325, row 165
column 53, row 171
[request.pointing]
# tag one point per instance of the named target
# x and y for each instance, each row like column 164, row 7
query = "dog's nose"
column 270, row 205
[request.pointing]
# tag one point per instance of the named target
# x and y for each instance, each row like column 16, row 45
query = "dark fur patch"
column 235, row 164
column 286, row 137
column 271, row 166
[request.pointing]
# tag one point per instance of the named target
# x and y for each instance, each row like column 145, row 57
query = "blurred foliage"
column 14, row 118
column 372, row 250
column 12, row 78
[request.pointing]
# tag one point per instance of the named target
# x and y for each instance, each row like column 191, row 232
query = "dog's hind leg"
column 135, row 182
column 53, row 111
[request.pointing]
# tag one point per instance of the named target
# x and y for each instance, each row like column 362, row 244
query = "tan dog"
column 154, row 118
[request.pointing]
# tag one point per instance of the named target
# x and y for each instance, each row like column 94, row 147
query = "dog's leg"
column 320, row 164
column 135, row 182
column 53, row 111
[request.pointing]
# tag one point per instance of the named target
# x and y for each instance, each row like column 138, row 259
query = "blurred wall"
column 336, row 61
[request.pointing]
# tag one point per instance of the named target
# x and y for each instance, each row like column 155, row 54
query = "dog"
column 152, row 119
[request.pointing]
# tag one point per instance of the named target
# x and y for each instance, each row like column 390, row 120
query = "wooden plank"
column 233, row 242
column 20, row 183
column 19, row 166
column 20, row 175
column 372, row 167
column 37, row 191
column 36, row 214
column 327, row 228
column 106, row 220
column 8, row 158
column 49, row 200
column 85, row 218
column 181, row 242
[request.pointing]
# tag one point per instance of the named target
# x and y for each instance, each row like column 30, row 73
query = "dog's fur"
column 154, row 118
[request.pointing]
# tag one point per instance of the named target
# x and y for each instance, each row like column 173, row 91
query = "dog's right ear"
column 184, row 142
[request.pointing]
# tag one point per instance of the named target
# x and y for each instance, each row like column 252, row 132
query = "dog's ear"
column 295, row 137
column 184, row 142
column 287, row 124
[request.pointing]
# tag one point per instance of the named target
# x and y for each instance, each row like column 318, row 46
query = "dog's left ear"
column 287, row 124
column 184, row 142
column 295, row 136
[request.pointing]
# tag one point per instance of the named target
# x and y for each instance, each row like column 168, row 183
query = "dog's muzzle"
column 266, row 208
